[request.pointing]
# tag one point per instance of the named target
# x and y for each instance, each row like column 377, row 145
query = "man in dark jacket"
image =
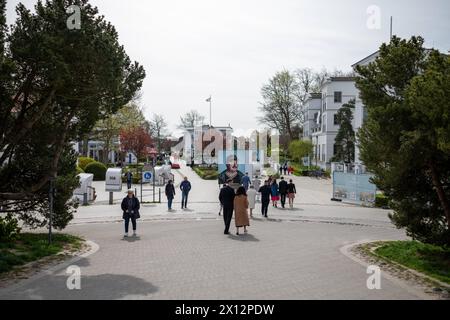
column 130, row 207
column 129, row 177
column 185, row 187
column 226, row 198
column 283, row 187
column 170, row 194
column 265, row 198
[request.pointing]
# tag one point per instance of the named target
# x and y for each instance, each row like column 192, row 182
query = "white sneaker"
column 134, row 234
column 126, row 235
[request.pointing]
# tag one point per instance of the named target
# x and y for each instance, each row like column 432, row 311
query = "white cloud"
column 195, row 48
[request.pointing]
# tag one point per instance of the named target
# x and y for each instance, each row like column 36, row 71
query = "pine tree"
column 345, row 139
column 405, row 141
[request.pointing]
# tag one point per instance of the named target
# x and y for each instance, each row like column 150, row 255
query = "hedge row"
column 206, row 173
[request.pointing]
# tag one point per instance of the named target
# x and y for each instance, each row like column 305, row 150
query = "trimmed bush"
column 84, row 161
column 97, row 169
column 381, row 201
column 79, row 170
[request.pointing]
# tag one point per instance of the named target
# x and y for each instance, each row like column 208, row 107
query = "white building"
column 311, row 111
column 196, row 142
column 320, row 110
column 360, row 111
column 335, row 92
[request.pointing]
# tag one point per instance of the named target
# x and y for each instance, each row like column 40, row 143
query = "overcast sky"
column 229, row 49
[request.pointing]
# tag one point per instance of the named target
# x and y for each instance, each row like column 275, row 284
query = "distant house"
column 195, row 141
column 320, row 114
column 335, row 92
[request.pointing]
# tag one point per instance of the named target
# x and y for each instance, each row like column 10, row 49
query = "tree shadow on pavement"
column 100, row 287
column 244, row 238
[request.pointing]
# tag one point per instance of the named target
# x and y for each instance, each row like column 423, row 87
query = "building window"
column 365, row 114
column 336, row 120
column 338, row 96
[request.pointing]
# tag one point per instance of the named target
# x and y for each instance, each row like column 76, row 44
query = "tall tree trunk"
column 85, row 146
column 445, row 203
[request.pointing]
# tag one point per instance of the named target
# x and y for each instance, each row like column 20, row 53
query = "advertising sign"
column 354, row 188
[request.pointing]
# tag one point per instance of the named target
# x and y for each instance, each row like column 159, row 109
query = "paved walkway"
column 194, row 260
column 184, row 254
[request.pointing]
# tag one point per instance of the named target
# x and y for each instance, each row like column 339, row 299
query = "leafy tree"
column 405, row 139
column 299, row 149
column 345, row 139
column 281, row 105
column 135, row 140
column 107, row 130
column 191, row 119
column 55, row 85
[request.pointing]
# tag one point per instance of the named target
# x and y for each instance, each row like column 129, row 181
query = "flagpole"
column 210, row 111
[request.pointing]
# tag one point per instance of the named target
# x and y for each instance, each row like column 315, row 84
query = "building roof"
column 333, row 79
column 367, row 59
column 206, row 127
column 315, row 95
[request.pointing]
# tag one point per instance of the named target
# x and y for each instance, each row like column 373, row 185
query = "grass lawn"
column 431, row 260
column 206, row 173
column 31, row 247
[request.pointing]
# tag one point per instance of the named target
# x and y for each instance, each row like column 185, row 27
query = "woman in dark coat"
column 170, row 194
column 130, row 207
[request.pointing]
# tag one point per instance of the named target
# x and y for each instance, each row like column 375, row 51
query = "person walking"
column 283, row 188
column 170, row 194
column 290, row 170
column 265, row 198
column 130, row 207
column 275, row 193
column 285, row 168
column 129, row 176
column 226, row 198
column 257, row 184
column 185, row 187
column 291, row 193
column 246, row 181
column 221, row 206
column 240, row 210
column 251, row 196
column 281, row 169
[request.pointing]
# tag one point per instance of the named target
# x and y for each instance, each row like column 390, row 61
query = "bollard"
column 159, row 195
column 85, row 199
column 111, row 198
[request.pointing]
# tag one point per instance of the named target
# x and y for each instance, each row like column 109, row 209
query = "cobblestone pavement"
column 194, row 260
column 184, row 254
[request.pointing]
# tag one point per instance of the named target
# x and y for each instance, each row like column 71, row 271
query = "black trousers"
column 265, row 207
column 227, row 216
column 127, row 223
column 283, row 199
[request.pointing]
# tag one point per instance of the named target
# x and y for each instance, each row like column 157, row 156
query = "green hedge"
column 97, row 169
column 381, row 201
column 206, row 173
column 84, row 161
column 79, row 170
